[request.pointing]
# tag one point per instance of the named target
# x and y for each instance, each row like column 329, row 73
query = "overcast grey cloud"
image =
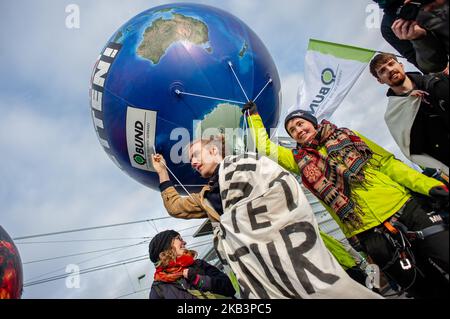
column 55, row 175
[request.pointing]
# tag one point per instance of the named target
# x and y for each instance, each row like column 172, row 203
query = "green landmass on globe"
column 163, row 33
column 243, row 50
column 165, row 10
column 223, row 116
column 224, row 119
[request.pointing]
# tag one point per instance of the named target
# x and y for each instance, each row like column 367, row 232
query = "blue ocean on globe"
column 168, row 74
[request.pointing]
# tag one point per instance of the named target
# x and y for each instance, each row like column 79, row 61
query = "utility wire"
column 77, row 240
column 81, row 262
column 90, row 228
column 90, row 259
column 79, row 254
column 88, row 270
column 132, row 293
column 100, row 267
column 93, row 240
column 100, row 250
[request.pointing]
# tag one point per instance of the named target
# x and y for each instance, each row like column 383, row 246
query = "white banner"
column 331, row 70
column 270, row 239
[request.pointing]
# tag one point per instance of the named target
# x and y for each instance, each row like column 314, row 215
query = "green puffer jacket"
column 387, row 188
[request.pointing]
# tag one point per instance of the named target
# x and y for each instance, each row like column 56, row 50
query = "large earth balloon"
column 170, row 73
column 11, row 278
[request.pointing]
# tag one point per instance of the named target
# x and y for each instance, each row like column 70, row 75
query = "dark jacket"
column 404, row 47
column 432, row 50
column 430, row 130
column 209, row 279
column 428, row 54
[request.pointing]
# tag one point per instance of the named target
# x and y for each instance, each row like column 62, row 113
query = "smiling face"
column 391, row 73
column 204, row 158
column 179, row 246
column 301, row 130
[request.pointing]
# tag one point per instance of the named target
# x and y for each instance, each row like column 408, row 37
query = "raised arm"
column 399, row 171
column 282, row 155
column 177, row 206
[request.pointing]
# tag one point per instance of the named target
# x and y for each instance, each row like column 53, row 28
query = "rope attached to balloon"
column 237, row 79
column 246, row 115
column 178, row 92
column 181, row 184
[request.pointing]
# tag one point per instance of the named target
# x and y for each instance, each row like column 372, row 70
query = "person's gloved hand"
column 440, row 197
column 251, row 107
column 191, row 275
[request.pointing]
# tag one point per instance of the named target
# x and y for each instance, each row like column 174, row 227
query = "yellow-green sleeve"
column 338, row 250
column 265, row 146
column 399, row 171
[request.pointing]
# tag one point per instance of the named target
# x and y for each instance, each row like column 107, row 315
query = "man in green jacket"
column 368, row 193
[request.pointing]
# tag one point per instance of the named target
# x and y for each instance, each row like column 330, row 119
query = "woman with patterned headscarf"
column 368, row 192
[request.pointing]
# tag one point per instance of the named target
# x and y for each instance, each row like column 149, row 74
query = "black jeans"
column 432, row 284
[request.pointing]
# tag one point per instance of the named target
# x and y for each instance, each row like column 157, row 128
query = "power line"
column 101, row 267
column 132, row 293
column 90, row 228
column 88, row 270
column 79, row 254
column 95, row 251
column 88, row 252
column 91, row 240
column 77, row 240
column 97, row 257
column 82, row 262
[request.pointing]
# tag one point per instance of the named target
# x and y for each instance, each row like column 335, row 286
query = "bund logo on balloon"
column 175, row 73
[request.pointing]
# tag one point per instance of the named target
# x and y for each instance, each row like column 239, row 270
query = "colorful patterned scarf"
column 331, row 177
column 174, row 270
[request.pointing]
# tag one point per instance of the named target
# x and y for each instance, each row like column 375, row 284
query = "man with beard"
column 417, row 112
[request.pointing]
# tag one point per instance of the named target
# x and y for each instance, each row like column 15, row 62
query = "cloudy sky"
column 55, row 175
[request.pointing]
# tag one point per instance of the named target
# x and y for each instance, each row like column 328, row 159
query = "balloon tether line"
column 237, row 79
column 179, row 182
column 265, row 86
column 179, row 92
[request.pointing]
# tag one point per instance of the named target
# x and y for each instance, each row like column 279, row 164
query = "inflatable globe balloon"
column 169, row 75
column 11, row 278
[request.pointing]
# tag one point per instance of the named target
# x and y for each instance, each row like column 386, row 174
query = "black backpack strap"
column 158, row 291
